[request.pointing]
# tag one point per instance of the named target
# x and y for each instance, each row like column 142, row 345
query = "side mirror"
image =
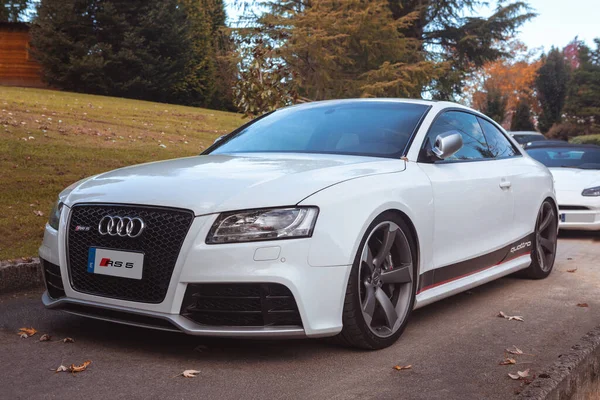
column 446, row 145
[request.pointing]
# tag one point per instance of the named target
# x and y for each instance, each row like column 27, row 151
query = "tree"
column 521, row 119
column 495, row 104
column 551, row 84
column 159, row 50
column 13, row 10
column 447, row 33
column 582, row 106
column 513, row 75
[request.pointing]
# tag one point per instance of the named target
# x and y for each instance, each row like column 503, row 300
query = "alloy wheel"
column 546, row 236
column 385, row 279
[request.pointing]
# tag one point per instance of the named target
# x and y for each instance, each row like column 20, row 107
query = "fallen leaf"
column 508, row 361
column 572, row 270
column 38, row 213
column 68, row 340
column 519, row 375
column 510, row 317
column 27, row 332
column 61, row 368
column 45, row 338
column 400, row 368
column 582, row 305
column 515, row 351
column 190, row 373
column 79, row 368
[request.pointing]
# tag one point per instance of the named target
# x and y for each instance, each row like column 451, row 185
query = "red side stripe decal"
column 469, row 274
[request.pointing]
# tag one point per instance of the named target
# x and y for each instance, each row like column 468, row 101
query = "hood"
column 216, row 183
column 574, row 179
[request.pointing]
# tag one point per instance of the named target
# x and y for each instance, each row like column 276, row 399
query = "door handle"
column 505, row 185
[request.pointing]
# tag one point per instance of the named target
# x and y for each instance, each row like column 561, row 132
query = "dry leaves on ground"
column 26, row 332
column 582, row 305
column 38, row 213
column 45, row 338
column 510, row 317
column 572, row 270
column 68, row 340
column 400, row 367
column 519, row 375
column 190, row 373
column 74, row 368
column 508, row 361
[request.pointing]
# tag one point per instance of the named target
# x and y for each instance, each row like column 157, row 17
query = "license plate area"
column 122, row 264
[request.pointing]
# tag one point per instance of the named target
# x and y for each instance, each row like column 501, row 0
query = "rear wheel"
column 546, row 236
column 381, row 289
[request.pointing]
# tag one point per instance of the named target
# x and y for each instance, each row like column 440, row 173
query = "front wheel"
column 381, row 289
column 546, row 237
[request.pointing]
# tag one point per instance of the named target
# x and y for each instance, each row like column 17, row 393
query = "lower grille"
column 161, row 240
column 53, row 279
column 243, row 304
column 572, row 208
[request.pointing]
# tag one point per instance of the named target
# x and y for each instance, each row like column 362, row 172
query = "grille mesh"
column 242, row 304
column 160, row 242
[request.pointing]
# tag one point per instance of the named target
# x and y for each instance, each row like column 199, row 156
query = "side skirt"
column 452, row 279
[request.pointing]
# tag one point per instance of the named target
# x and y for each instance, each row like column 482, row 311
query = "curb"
column 573, row 376
column 26, row 274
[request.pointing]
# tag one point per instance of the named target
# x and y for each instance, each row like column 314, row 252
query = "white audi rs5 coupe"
column 334, row 218
column 576, row 171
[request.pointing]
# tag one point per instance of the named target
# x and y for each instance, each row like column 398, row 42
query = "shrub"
column 586, row 139
column 565, row 130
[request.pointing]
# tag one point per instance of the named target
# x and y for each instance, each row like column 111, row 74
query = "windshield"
column 568, row 157
column 367, row 128
column 522, row 139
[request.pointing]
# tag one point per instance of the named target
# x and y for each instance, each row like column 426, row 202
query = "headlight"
column 264, row 224
column 55, row 214
column 593, row 192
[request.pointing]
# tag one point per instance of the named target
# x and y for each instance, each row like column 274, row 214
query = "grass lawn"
column 50, row 139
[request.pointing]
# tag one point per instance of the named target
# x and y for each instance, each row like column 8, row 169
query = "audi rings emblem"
column 121, row 226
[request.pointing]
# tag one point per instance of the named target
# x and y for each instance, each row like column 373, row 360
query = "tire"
column 371, row 278
column 544, row 243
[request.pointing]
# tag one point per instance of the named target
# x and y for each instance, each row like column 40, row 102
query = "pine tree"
column 551, row 85
column 133, row 48
column 495, row 105
column 583, row 99
column 521, row 119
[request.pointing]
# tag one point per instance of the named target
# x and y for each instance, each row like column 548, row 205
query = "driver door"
column 473, row 200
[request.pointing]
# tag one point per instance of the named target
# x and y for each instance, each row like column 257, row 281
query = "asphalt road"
column 454, row 347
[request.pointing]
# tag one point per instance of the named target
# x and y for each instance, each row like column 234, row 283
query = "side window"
column 474, row 147
column 499, row 145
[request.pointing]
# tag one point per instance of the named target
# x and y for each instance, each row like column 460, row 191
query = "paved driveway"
column 454, row 347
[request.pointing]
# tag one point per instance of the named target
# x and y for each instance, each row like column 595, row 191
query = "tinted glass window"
column 498, row 144
column 370, row 128
column 474, row 145
column 568, row 157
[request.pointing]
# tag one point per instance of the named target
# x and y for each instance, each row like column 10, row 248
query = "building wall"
column 17, row 66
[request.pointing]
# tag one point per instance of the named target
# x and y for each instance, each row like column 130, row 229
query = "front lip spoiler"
column 180, row 323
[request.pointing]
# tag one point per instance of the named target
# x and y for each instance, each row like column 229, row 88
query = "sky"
column 557, row 23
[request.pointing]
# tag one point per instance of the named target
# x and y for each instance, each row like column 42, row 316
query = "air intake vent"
column 53, row 279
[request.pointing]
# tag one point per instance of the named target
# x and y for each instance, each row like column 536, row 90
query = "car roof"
column 440, row 104
column 525, row 133
column 560, row 143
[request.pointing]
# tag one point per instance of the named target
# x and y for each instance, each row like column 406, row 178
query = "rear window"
column 367, row 128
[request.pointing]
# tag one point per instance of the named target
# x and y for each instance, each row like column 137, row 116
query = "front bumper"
column 318, row 291
column 578, row 212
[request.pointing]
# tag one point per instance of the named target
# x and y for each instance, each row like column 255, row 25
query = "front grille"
column 242, row 304
column 53, row 279
column 160, row 242
column 572, row 208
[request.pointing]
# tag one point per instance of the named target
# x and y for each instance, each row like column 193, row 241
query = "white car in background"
column 526, row 137
column 576, row 171
column 333, row 218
